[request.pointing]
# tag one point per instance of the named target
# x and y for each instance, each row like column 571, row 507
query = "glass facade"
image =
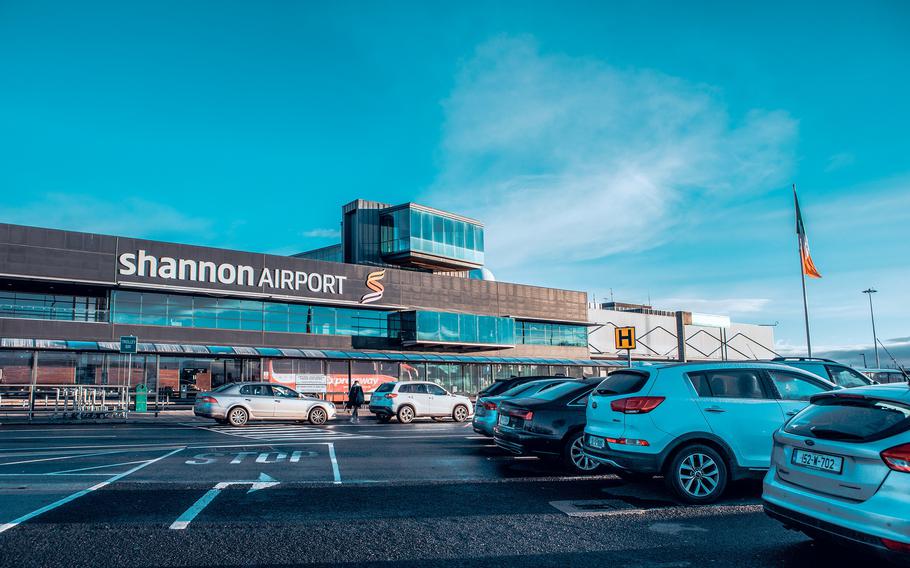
column 449, row 327
column 145, row 308
column 25, row 305
column 539, row 333
column 177, row 379
column 411, row 230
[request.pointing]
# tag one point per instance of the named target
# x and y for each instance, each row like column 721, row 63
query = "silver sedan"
column 238, row 403
column 840, row 469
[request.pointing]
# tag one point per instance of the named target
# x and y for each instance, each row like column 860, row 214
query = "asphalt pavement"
column 193, row 493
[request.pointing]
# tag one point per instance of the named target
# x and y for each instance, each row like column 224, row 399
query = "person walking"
column 355, row 399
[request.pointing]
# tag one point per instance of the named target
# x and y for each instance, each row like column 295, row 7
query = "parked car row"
column 835, row 461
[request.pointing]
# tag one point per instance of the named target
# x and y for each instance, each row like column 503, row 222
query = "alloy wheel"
column 579, row 459
column 461, row 414
column 698, row 475
column 238, row 417
column 317, row 416
column 406, row 414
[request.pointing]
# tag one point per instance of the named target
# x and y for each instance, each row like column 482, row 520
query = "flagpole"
column 802, row 274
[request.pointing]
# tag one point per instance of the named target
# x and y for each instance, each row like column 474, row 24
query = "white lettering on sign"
column 141, row 263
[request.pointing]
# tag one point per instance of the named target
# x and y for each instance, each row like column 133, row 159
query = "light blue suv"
column 699, row 425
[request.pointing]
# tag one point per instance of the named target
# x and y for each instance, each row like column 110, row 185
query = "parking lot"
column 176, row 493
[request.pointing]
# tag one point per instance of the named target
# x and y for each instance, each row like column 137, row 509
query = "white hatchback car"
column 408, row 400
column 699, row 425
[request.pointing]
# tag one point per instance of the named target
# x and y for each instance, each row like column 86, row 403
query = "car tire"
column 238, row 416
column 406, row 414
column 384, row 418
column 318, row 416
column 460, row 413
column 573, row 457
column 697, row 474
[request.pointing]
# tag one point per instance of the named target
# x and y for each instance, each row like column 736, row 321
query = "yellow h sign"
column 625, row 338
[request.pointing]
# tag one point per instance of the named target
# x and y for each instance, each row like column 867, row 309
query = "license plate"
column 596, row 442
column 821, row 462
column 503, row 420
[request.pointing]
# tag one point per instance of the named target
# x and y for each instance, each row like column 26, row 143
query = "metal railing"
column 64, row 402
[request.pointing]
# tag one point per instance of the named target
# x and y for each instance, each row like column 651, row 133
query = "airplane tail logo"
column 374, row 284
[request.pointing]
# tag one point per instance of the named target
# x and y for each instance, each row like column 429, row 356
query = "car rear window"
column 495, row 388
column 386, row 387
column 851, row 420
column 560, row 390
column 622, row 382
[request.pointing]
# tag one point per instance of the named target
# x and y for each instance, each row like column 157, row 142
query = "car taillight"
column 391, row 395
column 488, row 405
column 898, row 458
column 896, row 546
column 627, row 441
column 636, row 404
column 523, row 414
column 208, row 400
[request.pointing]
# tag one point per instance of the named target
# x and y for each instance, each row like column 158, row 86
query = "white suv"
column 410, row 399
column 699, row 425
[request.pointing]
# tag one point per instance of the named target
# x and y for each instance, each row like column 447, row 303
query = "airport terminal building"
column 404, row 295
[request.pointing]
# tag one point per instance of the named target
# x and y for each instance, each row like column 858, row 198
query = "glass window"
column 563, row 389
column 15, row 367
column 255, row 390
column 283, row 392
column 735, row 383
column 700, row 382
column 385, row 387
column 853, row 420
column 276, row 317
column 846, row 377
column 436, row 390
column 794, row 387
column 622, row 383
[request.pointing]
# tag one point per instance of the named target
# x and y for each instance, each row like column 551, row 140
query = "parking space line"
column 56, row 458
column 16, row 522
column 55, row 437
column 335, row 471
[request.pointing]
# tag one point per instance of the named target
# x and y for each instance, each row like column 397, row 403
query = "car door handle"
column 248, row 400
column 276, row 400
column 793, row 413
column 714, row 409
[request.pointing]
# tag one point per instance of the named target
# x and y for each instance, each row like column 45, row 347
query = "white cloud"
column 725, row 306
column 322, row 233
column 131, row 216
column 570, row 159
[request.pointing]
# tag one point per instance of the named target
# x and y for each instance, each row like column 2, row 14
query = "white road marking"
column 335, row 471
column 56, row 437
column 596, row 508
column 7, row 526
column 64, row 457
column 187, row 517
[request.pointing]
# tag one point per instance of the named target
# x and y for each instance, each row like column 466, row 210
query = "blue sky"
column 643, row 147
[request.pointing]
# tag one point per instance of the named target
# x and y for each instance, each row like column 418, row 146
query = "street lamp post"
column 871, row 291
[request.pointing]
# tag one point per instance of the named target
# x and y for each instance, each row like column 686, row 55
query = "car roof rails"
column 804, row 359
